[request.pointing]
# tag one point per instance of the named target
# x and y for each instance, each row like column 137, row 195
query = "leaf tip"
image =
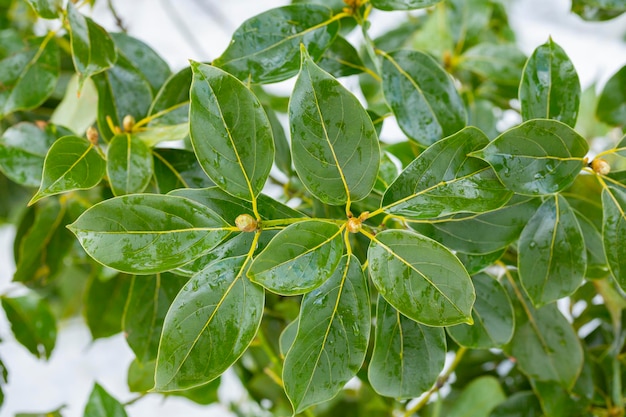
column 38, row 196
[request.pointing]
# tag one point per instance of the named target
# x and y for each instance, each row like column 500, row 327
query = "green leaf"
column 538, row 157
column 48, row 9
column 334, row 143
column 492, row 315
column 422, row 96
column 598, row 10
column 102, row 404
column 520, row 404
column 341, row 59
column 32, row 323
column 403, row 4
column 287, row 336
column 552, row 257
column 23, row 148
column 28, row 77
column 72, row 163
column 55, row 413
column 596, row 258
column 333, row 333
column 299, row 258
column 148, row 233
column 77, row 112
column 444, row 181
column 612, row 101
column 550, row 88
column 129, row 164
column 93, row 50
column 500, row 63
column 281, row 144
column 421, row 278
column 230, row 132
column 407, row 357
column 155, row 134
column 478, row 398
column 208, row 326
column 104, row 303
column 177, row 168
column 475, row 263
column 613, row 232
column 266, row 47
column 172, row 100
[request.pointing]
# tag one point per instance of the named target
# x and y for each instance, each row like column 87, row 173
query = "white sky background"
column 597, row 50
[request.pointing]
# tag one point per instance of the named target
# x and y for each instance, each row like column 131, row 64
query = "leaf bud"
column 600, row 166
column 128, row 123
column 354, row 224
column 246, row 223
column 92, row 135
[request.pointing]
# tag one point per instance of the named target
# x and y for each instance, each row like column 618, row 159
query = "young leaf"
column 48, row 9
column 72, row 163
column 552, row 258
column 443, row 181
column 334, row 143
column 93, row 50
column 32, row 323
column 208, row 326
column 403, row 4
column 538, row 157
column 230, row 132
column 422, row 96
column 421, row 278
column 102, row 404
column 299, row 258
column 550, row 88
column 613, row 232
column 333, row 333
column 492, row 315
column 129, row 164
column 407, row 357
column 612, row 101
column 147, row 233
column 265, row 48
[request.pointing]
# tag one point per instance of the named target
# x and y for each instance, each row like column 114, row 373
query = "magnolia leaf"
column 171, row 103
column 341, row 59
column 478, row 398
column 403, row 4
column 129, row 164
column 208, row 326
column 48, row 9
column 421, row 278
column 612, row 101
column 177, row 168
column 148, row 233
column 334, row 143
column 613, row 232
column 104, row 302
column 102, row 404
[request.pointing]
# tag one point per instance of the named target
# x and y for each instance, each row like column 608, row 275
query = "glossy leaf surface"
column 537, row 157
column 129, row 164
column 208, row 326
column 421, row 278
column 266, row 47
column 341, row 59
column 612, row 101
column 614, row 230
column 148, row 233
column 550, row 88
column 230, row 132
column 332, row 337
column 102, row 404
column 334, row 143
column 403, row 4
column 177, row 168
column 299, row 258
column 407, row 357
column 422, row 96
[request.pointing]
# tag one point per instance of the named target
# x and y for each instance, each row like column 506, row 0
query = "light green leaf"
column 421, row 278
column 403, row 4
column 77, row 112
column 72, row 163
column 520, row 404
column 148, row 233
column 48, row 9
column 333, row 333
column 478, row 398
column 334, row 144
column 422, row 96
column 500, row 63
column 208, row 326
column 492, row 315
column 444, row 181
column 287, row 336
column 155, row 134
column 550, row 88
column 612, row 101
column 613, row 232
column 265, row 48
column 93, row 50
column 129, row 164
column 299, row 258
column 598, row 10
column 538, row 157
column 102, row 404
column 407, row 357
column 552, row 258
column 230, row 132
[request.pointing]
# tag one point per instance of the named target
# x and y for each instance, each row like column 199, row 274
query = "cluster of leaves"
column 458, row 238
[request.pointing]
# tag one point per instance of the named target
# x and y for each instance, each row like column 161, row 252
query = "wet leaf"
column 613, row 232
column 177, row 168
column 48, row 9
column 341, row 59
column 612, row 101
column 172, row 100
column 403, row 4
column 102, row 404
column 129, row 164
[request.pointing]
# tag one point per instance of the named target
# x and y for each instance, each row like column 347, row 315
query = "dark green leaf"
column 333, row 333
column 612, row 101
column 48, row 9
column 422, row 96
column 177, row 168
column 499, row 63
column 537, row 157
column 492, row 315
column 478, row 398
column 598, row 10
column 299, row 258
column 403, row 4
column 596, row 258
column 32, row 323
column 102, row 404
column 613, row 232
column 443, row 181
column 475, row 263
column 28, row 77
column 172, row 100
column 209, row 325
column 421, row 278
column 283, row 151
column 266, row 47
column 72, row 163
column 334, row 144
column 341, row 59
column 550, row 88
column 230, row 132
column 520, row 404
column 105, row 299
column 129, row 164
column 148, row 233
column 407, row 356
